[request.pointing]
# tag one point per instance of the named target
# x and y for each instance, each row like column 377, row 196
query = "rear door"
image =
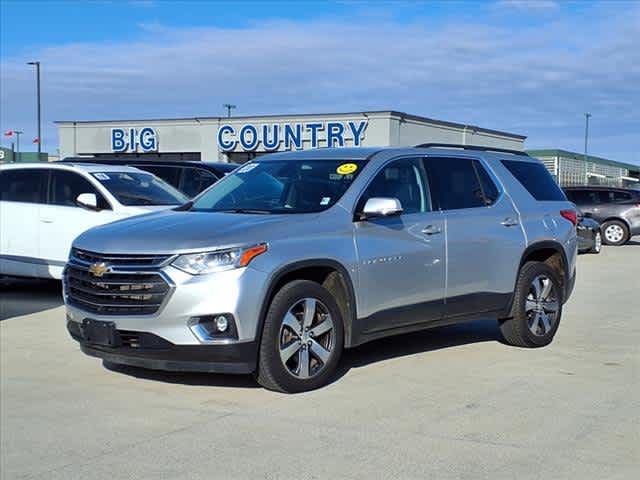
column 483, row 235
column 22, row 191
column 402, row 258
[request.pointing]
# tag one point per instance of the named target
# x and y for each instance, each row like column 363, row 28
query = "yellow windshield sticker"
column 347, row 168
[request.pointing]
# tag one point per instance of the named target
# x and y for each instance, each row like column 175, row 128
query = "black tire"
column 272, row 372
column 597, row 244
column 617, row 225
column 516, row 329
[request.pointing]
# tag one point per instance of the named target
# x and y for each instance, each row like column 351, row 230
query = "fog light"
column 221, row 326
column 222, row 323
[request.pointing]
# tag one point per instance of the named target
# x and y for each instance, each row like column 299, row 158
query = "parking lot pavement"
column 447, row 403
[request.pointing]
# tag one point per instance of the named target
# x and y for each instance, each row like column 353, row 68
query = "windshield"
column 282, row 186
column 139, row 188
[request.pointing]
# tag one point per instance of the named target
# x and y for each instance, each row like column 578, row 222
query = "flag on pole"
column 8, row 133
column 36, row 140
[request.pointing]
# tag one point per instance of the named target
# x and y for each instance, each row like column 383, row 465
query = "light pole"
column 17, row 133
column 37, row 64
column 586, row 134
column 229, row 107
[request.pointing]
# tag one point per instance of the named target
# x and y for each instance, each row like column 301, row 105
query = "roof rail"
column 472, row 147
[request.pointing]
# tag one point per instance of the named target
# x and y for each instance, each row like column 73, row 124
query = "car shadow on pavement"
column 184, row 378
column 22, row 296
column 369, row 353
column 419, row 342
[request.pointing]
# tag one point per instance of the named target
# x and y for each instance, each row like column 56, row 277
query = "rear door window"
column 536, row 179
column 456, row 184
column 489, row 189
column 28, row 185
column 621, row 197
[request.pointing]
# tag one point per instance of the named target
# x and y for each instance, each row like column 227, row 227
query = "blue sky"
column 530, row 67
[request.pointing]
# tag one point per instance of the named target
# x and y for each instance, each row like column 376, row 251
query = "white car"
column 43, row 207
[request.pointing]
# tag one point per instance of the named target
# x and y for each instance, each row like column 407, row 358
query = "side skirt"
column 418, row 317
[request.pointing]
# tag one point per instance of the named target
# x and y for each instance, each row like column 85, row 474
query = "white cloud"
column 537, row 82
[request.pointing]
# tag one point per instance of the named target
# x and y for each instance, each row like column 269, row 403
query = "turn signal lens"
column 570, row 215
column 251, row 253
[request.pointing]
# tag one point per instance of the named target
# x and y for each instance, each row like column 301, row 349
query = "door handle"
column 46, row 220
column 509, row 222
column 431, row 230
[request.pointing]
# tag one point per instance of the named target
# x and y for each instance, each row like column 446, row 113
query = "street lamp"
column 37, row 65
column 229, row 107
column 586, row 134
column 17, row 133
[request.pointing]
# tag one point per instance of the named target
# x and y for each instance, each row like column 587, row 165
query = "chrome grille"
column 116, row 292
column 85, row 256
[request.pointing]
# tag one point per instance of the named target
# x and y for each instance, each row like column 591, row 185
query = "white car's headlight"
column 218, row 260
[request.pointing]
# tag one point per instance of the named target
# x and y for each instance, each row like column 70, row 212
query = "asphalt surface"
column 448, row 403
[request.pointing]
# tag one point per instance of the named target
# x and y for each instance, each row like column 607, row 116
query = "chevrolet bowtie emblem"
column 99, row 269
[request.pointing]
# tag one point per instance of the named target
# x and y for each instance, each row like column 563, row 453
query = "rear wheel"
column 537, row 307
column 615, row 232
column 302, row 339
column 597, row 242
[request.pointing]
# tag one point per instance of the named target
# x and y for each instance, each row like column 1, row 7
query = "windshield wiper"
column 244, row 210
column 185, row 207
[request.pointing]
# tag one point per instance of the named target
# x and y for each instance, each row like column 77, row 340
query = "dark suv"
column 617, row 209
column 190, row 177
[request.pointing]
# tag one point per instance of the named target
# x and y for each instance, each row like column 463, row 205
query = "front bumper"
column 234, row 292
column 146, row 350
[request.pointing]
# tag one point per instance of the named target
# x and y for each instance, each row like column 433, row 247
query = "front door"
column 62, row 220
column 401, row 259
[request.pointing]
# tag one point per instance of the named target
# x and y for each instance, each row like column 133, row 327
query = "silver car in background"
column 295, row 256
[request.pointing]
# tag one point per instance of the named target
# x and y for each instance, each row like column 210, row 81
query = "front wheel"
column 537, row 307
column 302, row 338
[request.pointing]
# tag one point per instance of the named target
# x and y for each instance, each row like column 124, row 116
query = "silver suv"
column 296, row 256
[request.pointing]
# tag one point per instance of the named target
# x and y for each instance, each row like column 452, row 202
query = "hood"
column 169, row 231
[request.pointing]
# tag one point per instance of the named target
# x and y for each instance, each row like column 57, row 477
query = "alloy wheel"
column 541, row 306
column 306, row 338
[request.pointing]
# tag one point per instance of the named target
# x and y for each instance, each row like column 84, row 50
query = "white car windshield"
column 139, row 188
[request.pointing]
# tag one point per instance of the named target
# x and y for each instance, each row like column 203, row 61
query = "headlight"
column 219, row 260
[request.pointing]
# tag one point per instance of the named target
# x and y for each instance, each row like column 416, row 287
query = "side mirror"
column 88, row 201
column 381, row 207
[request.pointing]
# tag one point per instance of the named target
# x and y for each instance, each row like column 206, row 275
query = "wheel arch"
column 617, row 219
column 550, row 252
column 331, row 274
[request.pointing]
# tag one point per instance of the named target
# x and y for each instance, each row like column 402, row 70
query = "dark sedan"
column 589, row 235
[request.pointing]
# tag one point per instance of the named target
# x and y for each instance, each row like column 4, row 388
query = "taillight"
column 570, row 215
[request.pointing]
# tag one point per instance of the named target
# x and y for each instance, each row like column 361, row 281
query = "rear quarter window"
column 536, row 179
